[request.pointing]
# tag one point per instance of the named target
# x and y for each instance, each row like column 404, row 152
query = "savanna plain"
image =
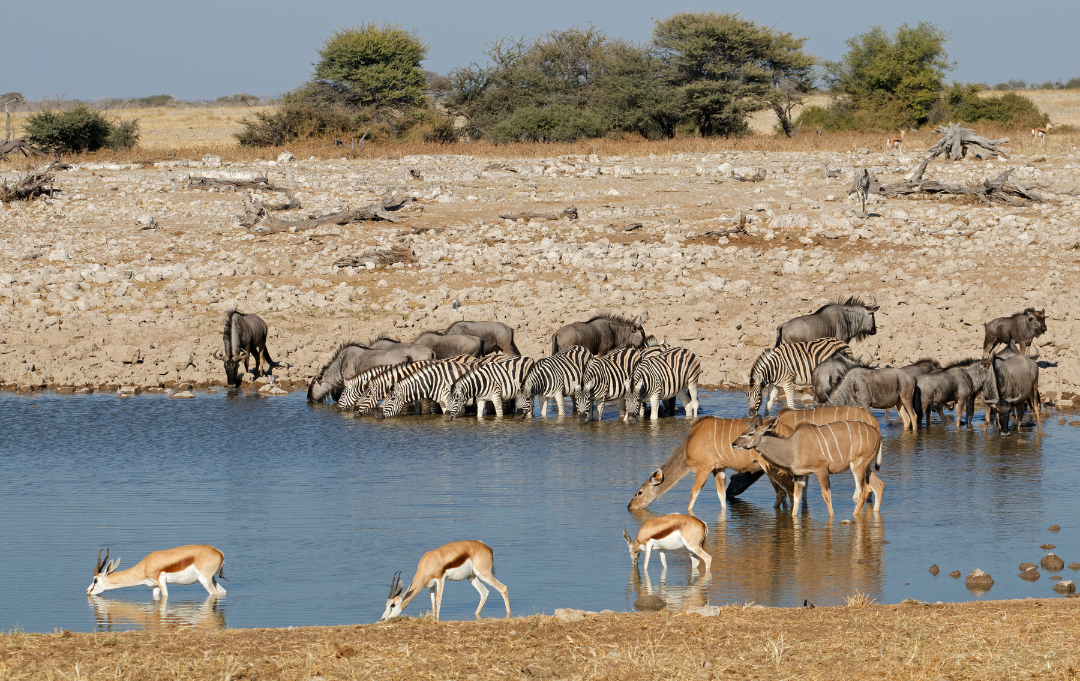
column 89, row 300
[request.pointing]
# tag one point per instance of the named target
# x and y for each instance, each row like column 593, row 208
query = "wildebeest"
column 349, row 360
column 878, row 389
column 959, row 383
column 847, row 319
column 601, row 334
column 245, row 337
column 495, row 335
column 827, row 375
column 415, row 351
column 1020, row 329
column 1012, row 383
column 445, row 346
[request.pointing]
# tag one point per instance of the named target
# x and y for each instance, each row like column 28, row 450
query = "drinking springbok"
column 819, row 450
column 244, row 336
column 182, row 565
column 471, row 560
column 670, row 532
column 707, row 451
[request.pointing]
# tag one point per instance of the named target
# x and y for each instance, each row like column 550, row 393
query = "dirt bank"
column 88, row 300
column 987, row 640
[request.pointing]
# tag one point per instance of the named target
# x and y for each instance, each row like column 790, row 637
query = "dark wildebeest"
column 245, row 337
column 848, row 320
column 827, row 375
column 350, row 359
column 601, row 334
column 959, row 383
column 1012, row 382
column 445, row 346
column 416, row 352
column 916, row 369
column 496, row 336
column 877, row 389
column 1020, row 328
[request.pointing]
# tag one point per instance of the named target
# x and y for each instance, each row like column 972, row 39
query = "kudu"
column 821, row 451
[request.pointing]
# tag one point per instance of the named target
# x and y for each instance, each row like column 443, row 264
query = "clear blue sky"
column 197, row 49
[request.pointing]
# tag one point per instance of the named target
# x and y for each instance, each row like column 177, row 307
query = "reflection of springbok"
column 670, row 532
column 820, row 450
column 677, row 597
column 116, row 615
column 182, row 565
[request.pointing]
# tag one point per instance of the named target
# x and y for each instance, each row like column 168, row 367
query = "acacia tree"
column 373, row 65
column 899, row 76
column 724, row 68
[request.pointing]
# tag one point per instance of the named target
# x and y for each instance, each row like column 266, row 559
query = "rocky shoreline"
column 122, row 280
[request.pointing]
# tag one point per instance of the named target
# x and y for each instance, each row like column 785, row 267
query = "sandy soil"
column 979, row 640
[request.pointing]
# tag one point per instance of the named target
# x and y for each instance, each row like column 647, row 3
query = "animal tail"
column 554, row 343
column 779, row 336
column 221, row 572
column 877, row 464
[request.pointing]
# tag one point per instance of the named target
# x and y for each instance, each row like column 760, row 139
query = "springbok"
column 670, row 532
column 471, row 560
column 896, row 142
column 1041, row 133
column 182, row 565
column 820, row 450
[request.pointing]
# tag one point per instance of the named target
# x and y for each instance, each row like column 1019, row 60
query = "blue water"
column 315, row 511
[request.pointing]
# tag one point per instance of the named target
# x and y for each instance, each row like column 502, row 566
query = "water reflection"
column 111, row 614
column 686, row 592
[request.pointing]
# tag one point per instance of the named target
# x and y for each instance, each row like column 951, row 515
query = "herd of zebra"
column 605, row 359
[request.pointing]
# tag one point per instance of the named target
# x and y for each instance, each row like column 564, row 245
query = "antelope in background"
column 1041, row 133
column 471, row 560
column 819, row 450
column 896, row 142
column 182, row 565
column 670, row 532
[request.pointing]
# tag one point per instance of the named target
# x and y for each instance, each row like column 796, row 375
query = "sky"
column 202, row 49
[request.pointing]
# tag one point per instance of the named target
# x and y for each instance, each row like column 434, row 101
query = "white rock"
column 59, row 254
column 285, row 157
column 706, row 611
column 183, row 395
column 211, row 161
column 147, row 222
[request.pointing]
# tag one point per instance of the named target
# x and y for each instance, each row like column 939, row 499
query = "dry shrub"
column 859, row 600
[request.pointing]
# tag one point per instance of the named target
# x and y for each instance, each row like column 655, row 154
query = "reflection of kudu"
column 471, row 560
column 182, row 565
column 111, row 614
column 670, row 532
column 820, row 450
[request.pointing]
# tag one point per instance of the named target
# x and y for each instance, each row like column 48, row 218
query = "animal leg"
column 500, row 587
column 862, row 489
column 789, row 393
column 600, row 410
column 497, row 400
column 483, row 593
column 543, row 407
column 774, row 390
column 163, row 585
column 431, row 591
column 878, row 486
column 663, row 560
column 207, row 584
column 438, row 597
column 826, row 490
column 699, row 482
column 694, row 403
column 654, row 404
column 797, row 493
column 559, row 403
column 701, row 553
column 648, row 554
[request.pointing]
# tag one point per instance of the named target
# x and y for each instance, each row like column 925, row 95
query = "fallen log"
column 199, row 182
column 570, row 213
column 1004, row 188
column 375, row 211
column 255, row 209
column 381, row 256
column 20, row 145
column 36, row 182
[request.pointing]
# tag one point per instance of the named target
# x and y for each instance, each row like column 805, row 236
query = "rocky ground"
column 977, row 640
column 90, row 300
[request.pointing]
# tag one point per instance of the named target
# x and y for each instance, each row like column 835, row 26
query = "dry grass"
column 989, row 640
column 859, row 600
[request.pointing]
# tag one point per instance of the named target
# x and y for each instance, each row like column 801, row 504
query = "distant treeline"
column 16, row 101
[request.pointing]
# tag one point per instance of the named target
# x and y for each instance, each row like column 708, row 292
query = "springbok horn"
column 97, row 563
column 394, row 584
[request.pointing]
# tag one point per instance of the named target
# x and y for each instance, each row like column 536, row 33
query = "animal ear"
column 657, row 477
column 109, row 569
column 626, row 536
column 756, row 422
column 772, row 423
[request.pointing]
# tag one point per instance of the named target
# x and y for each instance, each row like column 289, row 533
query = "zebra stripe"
column 491, row 382
column 432, row 382
column 606, row 379
column 673, row 373
column 789, row 365
column 553, row 377
column 355, row 385
column 380, row 386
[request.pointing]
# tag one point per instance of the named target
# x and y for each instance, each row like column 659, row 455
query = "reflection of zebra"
column 787, row 366
column 432, row 382
column 669, row 374
column 378, row 387
column 492, row 382
column 553, row 377
column 605, row 380
column 355, row 385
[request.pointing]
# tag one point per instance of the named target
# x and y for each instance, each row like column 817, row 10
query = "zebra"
column 605, row 379
column 787, row 366
column 557, row 376
column 669, row 374
column 432, row 382
column 380, row 386
column 355, row 385
column 491, row 382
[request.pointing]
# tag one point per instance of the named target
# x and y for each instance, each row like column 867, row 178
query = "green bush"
column 292, row 122
column 152, row 101
column 556, row 124
column 72, row 131
column 963, row 103
column 124, row 135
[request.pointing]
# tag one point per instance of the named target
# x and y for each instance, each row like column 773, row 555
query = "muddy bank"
column 983, row 640
column 89, row 300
